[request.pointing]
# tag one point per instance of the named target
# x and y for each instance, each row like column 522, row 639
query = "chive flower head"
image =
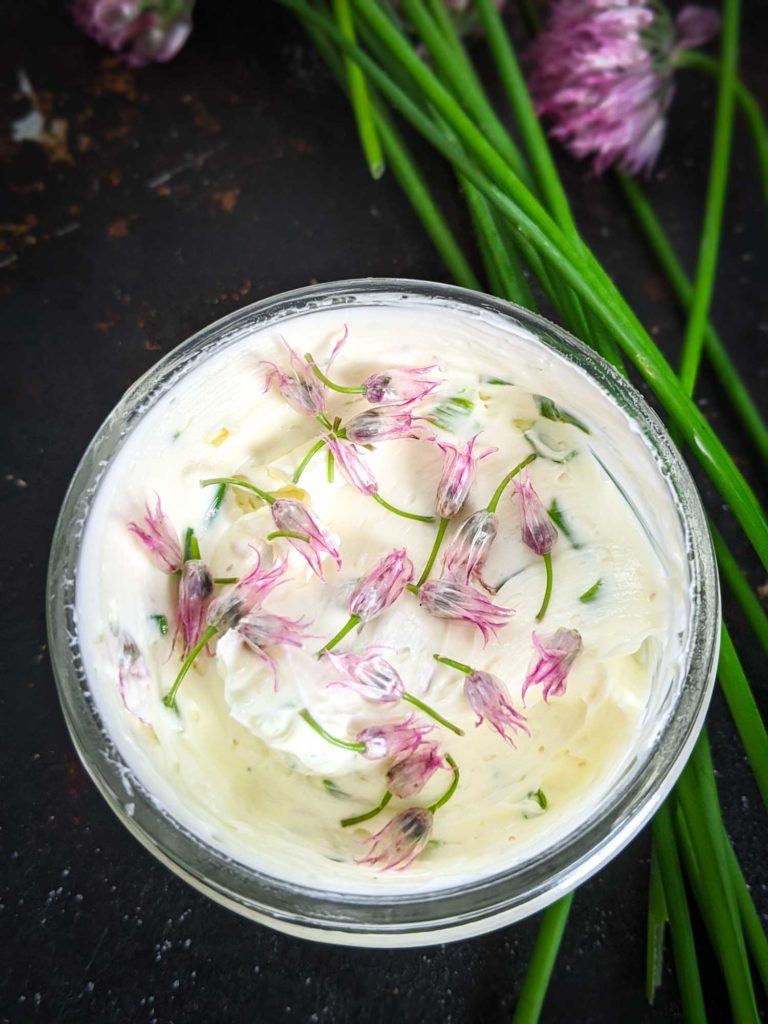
column 139, row 30
column 400, row 387
column 382, row 586
column 401, row 840
column 457, row 476
column 550, row 665
column 294, row 517
column 447, row 598
column 538, row 530
column 369, row 674
column 410, row 774
column 159, row 538
column 602, row 71
column 489, row 700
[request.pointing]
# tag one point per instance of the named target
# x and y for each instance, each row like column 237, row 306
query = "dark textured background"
column 164, row 199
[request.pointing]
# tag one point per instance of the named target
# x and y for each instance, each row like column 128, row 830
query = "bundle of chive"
column 523, row 222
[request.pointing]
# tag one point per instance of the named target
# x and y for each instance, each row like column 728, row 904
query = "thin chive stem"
column 216, row 502
column 170, row 698
column 306, row 460
column 547, row 556
column 412, row 587
column 709, row 244
column 323, row 420
column 717, row 353
column 458, row 665
column 658, row 917
column 191, row 545
column 329, row 471
column 222, row 581
column 744, row 711
column 683, row 946
column 746, row 101
column 432, row 713
column 350, row 624
column 244, row 485
column 359, row 96
column 433, row 553
column 344, row 744
column 290, row 534
column 401, row 512
column 494, row 502
column 754, row 932
column 542, row 962
column 329, row 383
column 742, row 591
column 451, row 789
column 359, row 818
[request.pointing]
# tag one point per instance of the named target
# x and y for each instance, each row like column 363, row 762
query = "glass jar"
column 668, row 731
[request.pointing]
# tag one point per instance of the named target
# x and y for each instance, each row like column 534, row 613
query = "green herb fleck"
column 540, row 798
column 497, row 381
column 446, row 413
column 556, row 515
column 544, row 451
column 191, row 547
column 213, row 508
column 161, row 622
column 591, row 594
column 333, row 790
column 551, row 411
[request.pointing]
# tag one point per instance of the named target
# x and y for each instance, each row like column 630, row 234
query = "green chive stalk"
column 534, row 989
column 359, row 98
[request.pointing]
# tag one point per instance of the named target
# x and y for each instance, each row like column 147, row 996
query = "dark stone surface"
column 180, row 193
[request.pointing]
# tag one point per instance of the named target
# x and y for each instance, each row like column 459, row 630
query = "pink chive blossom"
column 400, row 387
column 369, row 674
column 401, row 840
column 457, row 476
column 487, row 698
column 450, row 599
column 382, row 424
column 246, row 596
column 352, row 465
column 132, row 677
column 261, row 630
column 382, row 586
column 139, row 30
column 299, row 386
column 410, row 774
column 538, row 530
column 195, row 593
column 159, row 538
column 393, row 740
column 555, row 653
column 602, row 71
column 294, row 517
column 468, row 551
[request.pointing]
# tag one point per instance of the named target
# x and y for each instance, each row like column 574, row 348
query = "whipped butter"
column 236, row 764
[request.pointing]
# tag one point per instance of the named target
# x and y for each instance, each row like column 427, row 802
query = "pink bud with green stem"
column 410, row 774
column 393, row 739
column 195, row 594
column 353, row 466
column 376, row 591
column 402, row 839
column 450, row 599
column 388, row 387
column 453, row 489
column 382, row 424
column 300, row 386
column 261, row 630
column 538, row 531
column 295, row 523
column 376, row 680
column 226, row 612
column 159, row 538
column 132, row 677
column 487, row 696
column 549, row 668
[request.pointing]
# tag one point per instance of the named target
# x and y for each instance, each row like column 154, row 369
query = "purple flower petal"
column 457, row 476
column 538, row 530
column 294, row 517
column 410, row 774
column 549, row 668
column 352, row 465
column 159, row 538
column 400, row 387
column 488, row 699
column 394, row 739
column 382, row 586
column 369, row 674
column 401, row 840
column 450, row 599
